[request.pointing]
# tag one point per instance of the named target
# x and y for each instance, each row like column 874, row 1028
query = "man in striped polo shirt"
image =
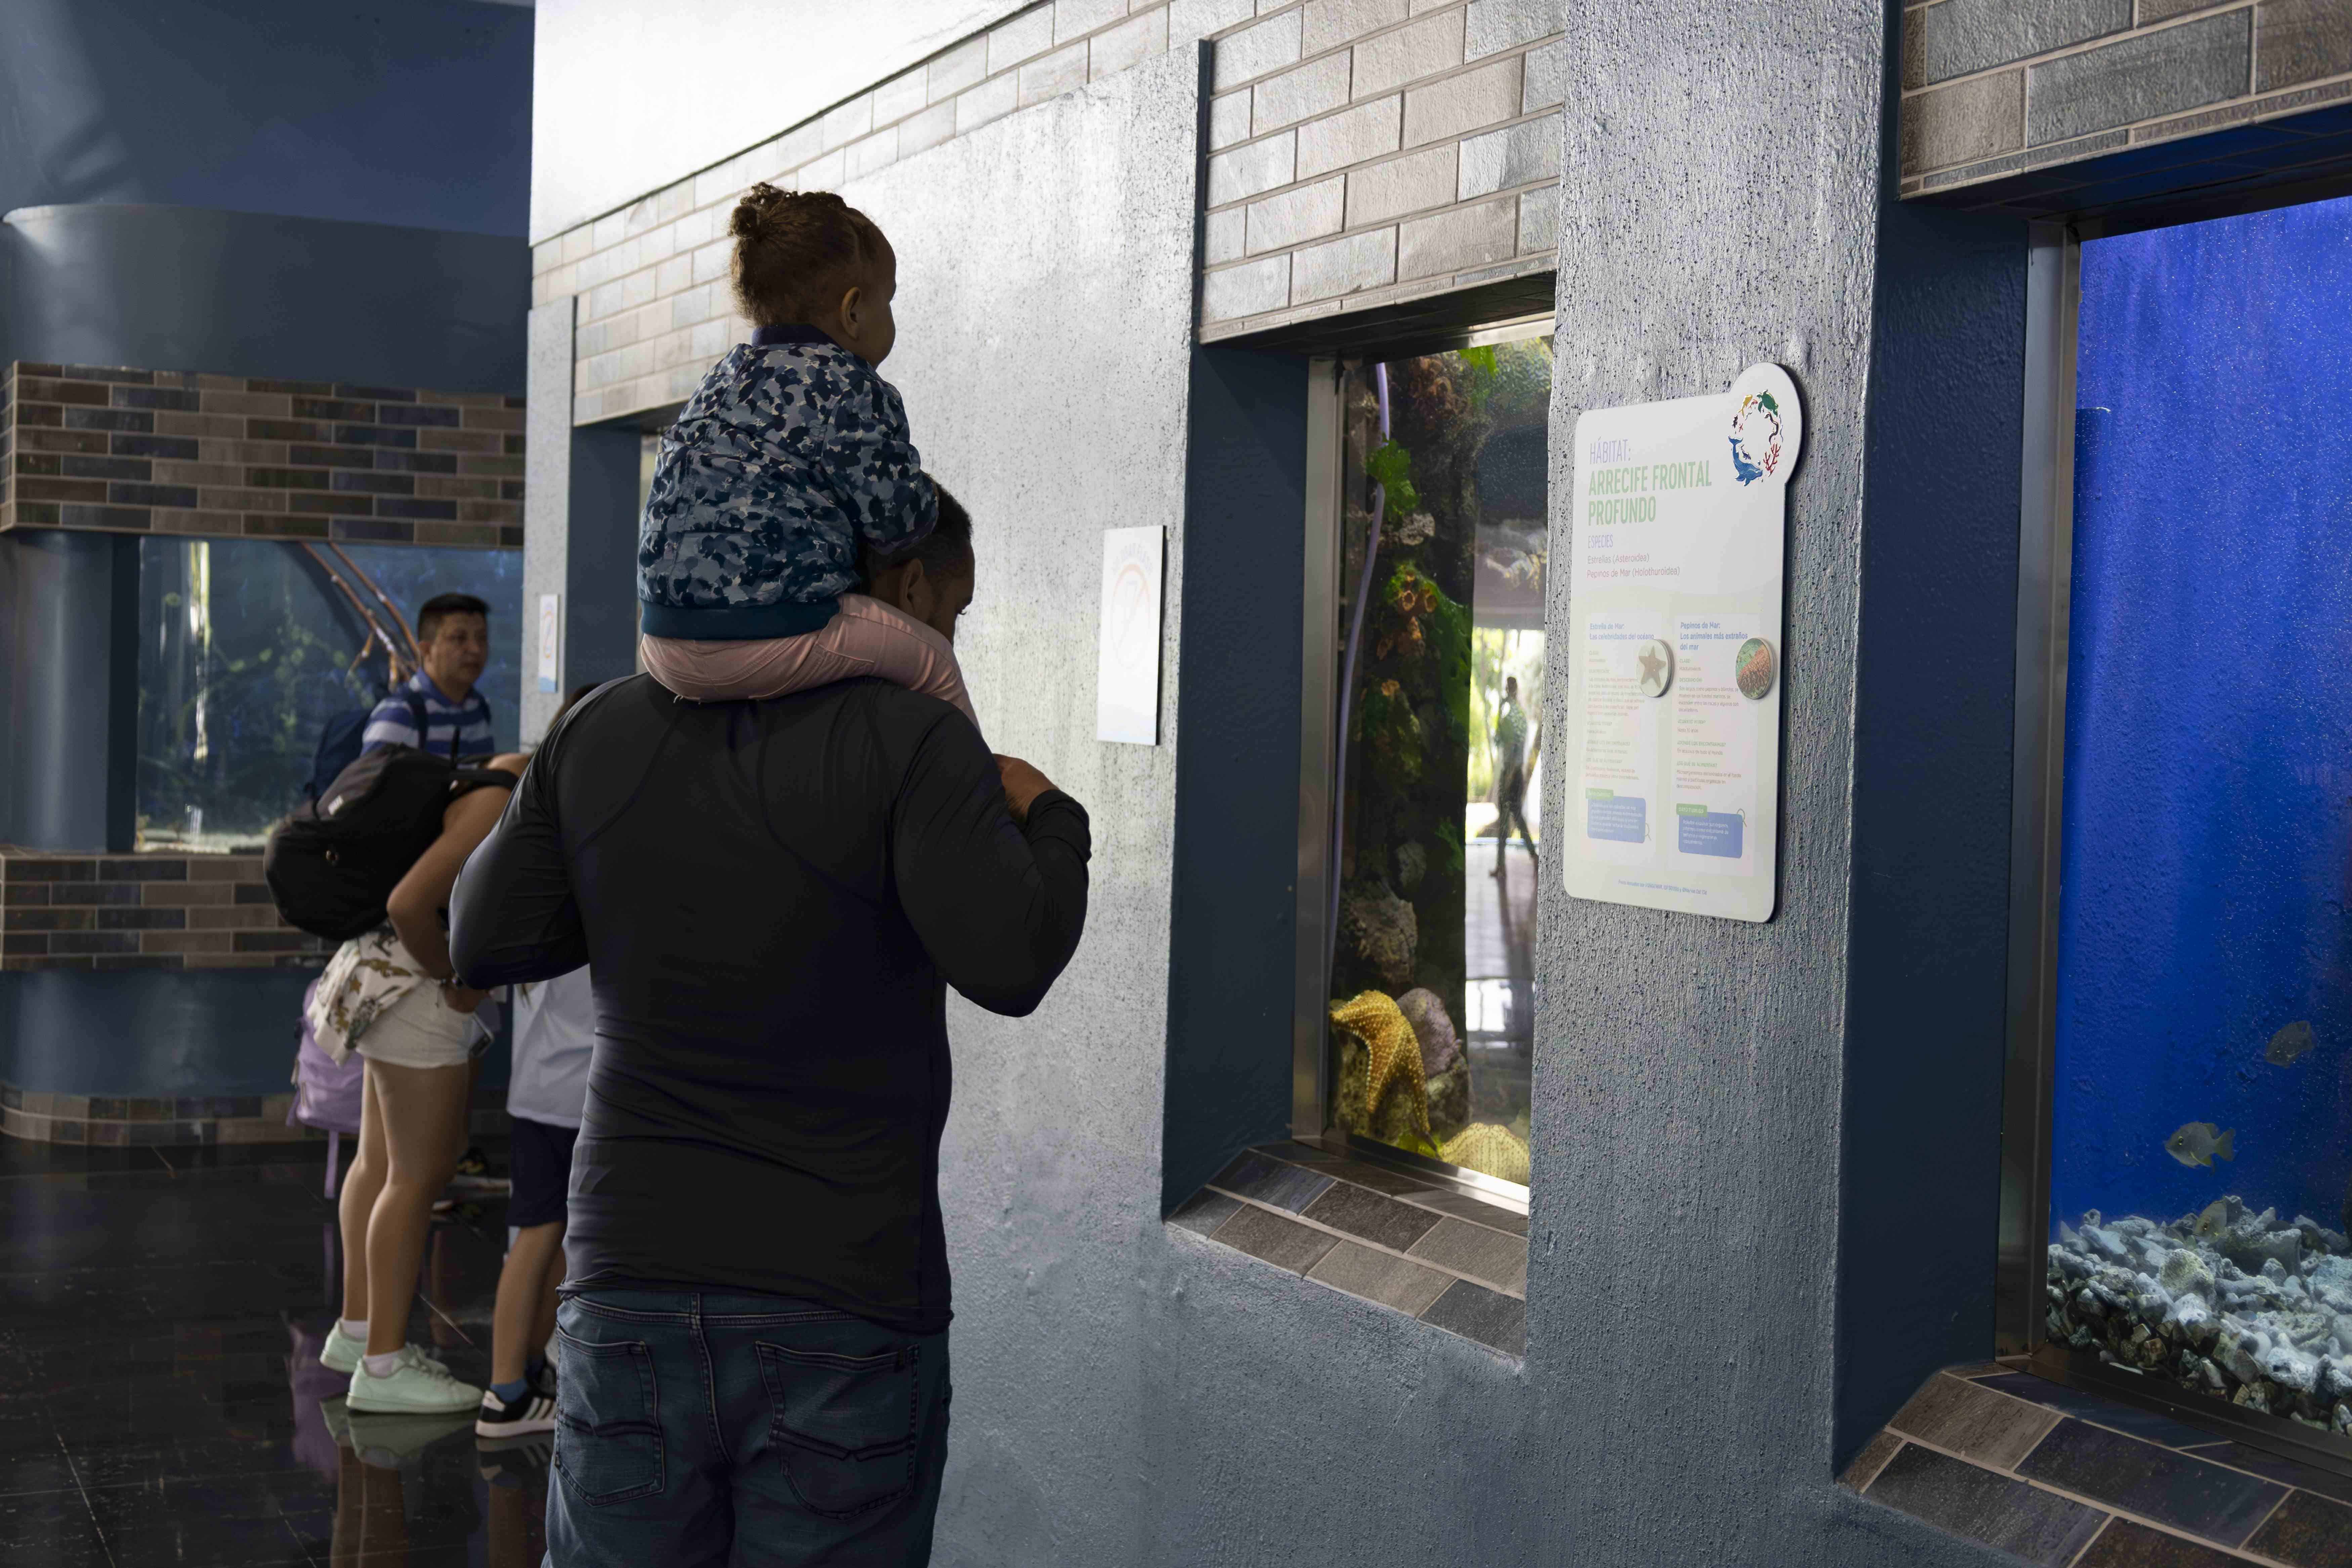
column 454, row 631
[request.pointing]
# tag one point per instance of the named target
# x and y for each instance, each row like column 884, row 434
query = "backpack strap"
column 465, row 781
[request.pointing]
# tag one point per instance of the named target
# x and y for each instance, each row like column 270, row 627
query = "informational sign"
column 1674, row 649
column 549, row 621
column 1127, row 674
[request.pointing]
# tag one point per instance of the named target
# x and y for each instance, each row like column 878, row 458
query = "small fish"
column 2288, row 1044
column 2215, row 1219
column 2196, row 1143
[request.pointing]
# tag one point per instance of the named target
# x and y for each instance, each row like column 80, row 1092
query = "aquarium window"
column 2200, row 1116
column 248, row 646
column 1437, row 638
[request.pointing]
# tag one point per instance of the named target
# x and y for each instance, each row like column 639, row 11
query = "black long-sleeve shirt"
column 772, row 899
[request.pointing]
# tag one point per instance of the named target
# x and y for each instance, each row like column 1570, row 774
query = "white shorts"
column 421, row 1030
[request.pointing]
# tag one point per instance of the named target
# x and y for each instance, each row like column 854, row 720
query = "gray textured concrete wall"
column 1128, row 1395
column 1045, row 309
column 546, row 499
column 580, row 537
column 1690, row 1076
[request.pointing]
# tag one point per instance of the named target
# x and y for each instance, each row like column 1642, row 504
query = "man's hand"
column 1022, row 785
column 461, row 998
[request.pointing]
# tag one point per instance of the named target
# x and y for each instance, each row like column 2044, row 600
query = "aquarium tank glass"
column 1441, row 644
column 247, row 647
column 2203, row 1091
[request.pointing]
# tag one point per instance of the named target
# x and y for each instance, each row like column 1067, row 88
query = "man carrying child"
column 773, row 873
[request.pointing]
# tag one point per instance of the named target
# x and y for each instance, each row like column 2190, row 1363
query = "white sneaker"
column 417, row 1385
column 341, row 1352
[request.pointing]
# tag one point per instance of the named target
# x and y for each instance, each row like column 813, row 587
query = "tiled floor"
column 2069, row 1480
column 160, row 1400
column 1417, row 1245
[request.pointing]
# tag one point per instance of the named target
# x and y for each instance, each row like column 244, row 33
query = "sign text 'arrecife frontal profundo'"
column 1674, row 648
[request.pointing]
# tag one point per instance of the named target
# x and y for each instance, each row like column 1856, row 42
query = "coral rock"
column 2184, row 1270
column 1440, row 1047
column 1449, row 1102
column 1381, row 930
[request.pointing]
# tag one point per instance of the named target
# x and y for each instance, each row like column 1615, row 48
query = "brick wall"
column 1364, row 152
column 1991, row 88
column 115, row 1122
column 145, row 911
column 142, row 451
column 1368, row 151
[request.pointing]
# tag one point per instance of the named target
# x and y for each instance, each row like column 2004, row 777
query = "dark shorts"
column 541, row 1160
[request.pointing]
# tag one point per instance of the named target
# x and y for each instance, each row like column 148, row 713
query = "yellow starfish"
column 1484, row 1146
column 1391, row 1053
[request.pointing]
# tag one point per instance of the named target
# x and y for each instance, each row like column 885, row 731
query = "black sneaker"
column 474, row 1174
column 530, row 1411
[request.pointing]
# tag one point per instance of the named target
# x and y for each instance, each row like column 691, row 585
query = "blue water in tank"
column 2208, row 829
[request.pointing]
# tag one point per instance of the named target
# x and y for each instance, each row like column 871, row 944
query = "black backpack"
column 332, row 865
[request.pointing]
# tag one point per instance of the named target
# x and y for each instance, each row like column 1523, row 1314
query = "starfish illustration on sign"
column 1657, row 663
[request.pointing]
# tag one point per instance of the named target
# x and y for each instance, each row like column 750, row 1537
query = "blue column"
column 68, row 604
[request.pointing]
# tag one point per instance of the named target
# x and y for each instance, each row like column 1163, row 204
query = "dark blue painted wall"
column 1233, row 948
column 1934, row 710
column 413, row 113
column 2208, row 743
column 250, row 294
column 148, row 1033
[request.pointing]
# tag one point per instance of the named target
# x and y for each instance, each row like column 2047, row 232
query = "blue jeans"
column 694, row 1429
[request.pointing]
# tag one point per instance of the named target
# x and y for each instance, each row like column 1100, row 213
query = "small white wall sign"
column 1127, row 671
column 1674, row 649
column 549, row 622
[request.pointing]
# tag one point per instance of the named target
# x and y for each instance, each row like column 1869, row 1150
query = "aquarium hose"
column 1348, row 691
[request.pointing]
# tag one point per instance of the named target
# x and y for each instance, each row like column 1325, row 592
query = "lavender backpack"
column 326, row 1093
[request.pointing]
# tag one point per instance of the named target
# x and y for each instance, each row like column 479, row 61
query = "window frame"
column 2045, row 572
column 1318, row 741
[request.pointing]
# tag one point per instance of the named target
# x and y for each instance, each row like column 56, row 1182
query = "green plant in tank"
column 1448, row 636
column 1478, row 376
column 1390, row 466
column 1391, row 729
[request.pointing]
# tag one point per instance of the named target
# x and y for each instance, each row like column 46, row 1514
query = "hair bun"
column 754, row 211
column 764, row 207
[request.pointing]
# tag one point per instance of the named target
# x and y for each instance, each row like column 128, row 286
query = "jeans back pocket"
column 608, row 1438
column 846, row 1424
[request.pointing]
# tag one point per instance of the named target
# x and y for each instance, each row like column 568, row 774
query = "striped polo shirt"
column 393, row 723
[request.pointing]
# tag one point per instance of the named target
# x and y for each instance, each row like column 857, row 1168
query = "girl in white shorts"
column 391, row 997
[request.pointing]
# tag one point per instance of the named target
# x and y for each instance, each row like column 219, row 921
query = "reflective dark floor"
column 161, row 1398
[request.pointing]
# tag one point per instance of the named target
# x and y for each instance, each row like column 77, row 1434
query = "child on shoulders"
column 792, row 455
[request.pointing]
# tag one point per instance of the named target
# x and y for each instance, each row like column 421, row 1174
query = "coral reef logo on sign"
column 1755, row 436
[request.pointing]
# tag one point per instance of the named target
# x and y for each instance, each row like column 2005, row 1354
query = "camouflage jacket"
column 791, row 454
